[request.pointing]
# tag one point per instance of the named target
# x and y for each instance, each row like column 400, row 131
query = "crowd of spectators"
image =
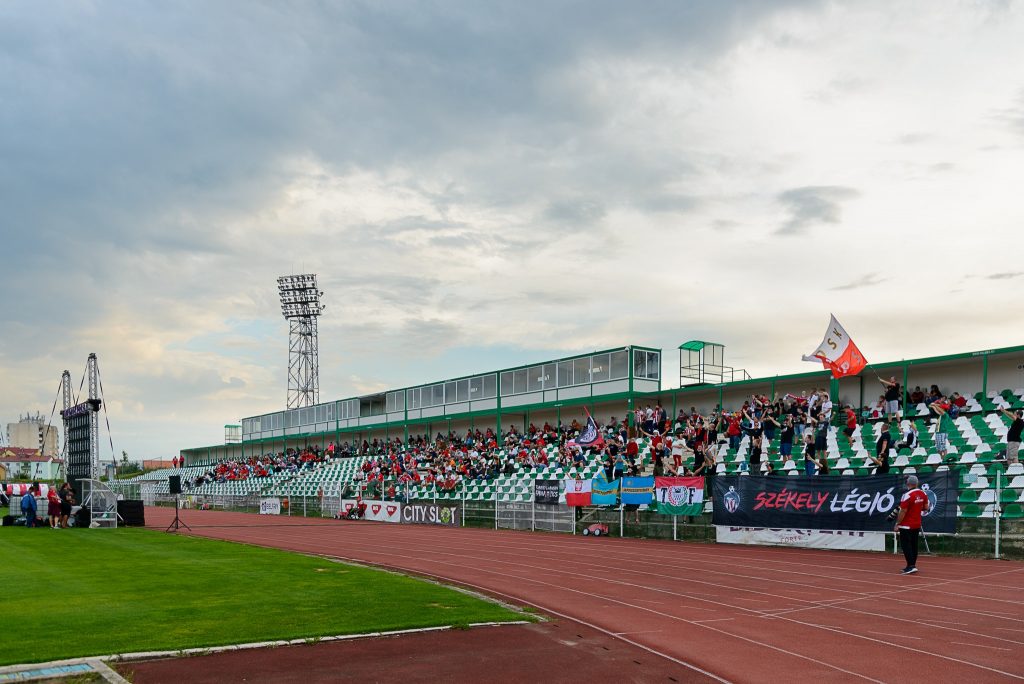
column 686, row 444
column 287, row 462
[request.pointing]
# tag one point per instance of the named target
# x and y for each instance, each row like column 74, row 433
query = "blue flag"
column 603, row 492
column 637, row 490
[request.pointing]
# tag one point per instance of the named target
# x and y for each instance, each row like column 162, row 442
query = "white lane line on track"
column 476, row 547
column 830, row 629
column 373, row 546
column 376, row 549
column 964, row 643
column 899, row 636
column 861, row 595
column 633, row 558
column 774, row 595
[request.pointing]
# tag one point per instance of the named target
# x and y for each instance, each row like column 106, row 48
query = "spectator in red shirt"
column 913, row 504
column 851, row 424
column 733, row 431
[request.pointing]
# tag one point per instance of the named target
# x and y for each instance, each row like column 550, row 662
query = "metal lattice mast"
column 92, row 371
column 65, row 387
column 300, row 305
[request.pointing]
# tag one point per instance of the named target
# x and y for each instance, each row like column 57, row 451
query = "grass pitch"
column 72, row 593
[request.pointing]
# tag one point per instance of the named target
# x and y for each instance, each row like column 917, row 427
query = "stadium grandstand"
column 487, row 436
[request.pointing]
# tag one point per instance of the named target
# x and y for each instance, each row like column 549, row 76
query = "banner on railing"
column 381, row 511
column 850, row 540
column 603, row 492
column 430, row 514
column 577, row 492
column 637, row 490
column 270, row 506
column 546, row 491
column 830, row 503
column 679, row 495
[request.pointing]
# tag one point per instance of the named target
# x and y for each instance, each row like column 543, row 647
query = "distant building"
column 32, row 432
column 28, row 464
column 156, row 463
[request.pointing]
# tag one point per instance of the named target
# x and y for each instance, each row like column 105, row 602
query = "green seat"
column 968, row 496
column 1013, row 510
column 971, row 511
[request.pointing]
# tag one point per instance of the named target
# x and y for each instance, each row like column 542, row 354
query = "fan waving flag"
column 590, row 436
column 838, row 353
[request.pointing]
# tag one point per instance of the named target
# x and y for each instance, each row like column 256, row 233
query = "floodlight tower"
column 300, row 305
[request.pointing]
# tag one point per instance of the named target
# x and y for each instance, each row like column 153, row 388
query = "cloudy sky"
column 483, row 184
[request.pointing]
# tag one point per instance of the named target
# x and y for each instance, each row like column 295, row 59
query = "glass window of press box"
column 646, row 364
column 453, row 392
column 579, row 371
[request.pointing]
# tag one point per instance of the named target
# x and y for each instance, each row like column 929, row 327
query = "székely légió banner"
column 830, row 503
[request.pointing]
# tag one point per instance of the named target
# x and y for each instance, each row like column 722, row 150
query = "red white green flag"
column 679, row 495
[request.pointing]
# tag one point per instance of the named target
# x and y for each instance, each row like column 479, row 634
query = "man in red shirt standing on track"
column 912, row 505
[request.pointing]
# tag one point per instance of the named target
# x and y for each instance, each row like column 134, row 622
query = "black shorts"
column 848, row 431
column 65, row 508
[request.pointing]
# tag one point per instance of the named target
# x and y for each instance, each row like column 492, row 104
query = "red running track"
column 743, row 614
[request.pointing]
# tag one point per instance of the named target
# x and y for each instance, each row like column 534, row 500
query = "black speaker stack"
column 132, row 512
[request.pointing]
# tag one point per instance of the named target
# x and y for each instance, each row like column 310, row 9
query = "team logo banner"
column 381, row 511
column 270, row 506
column 830, row 503
column 546, row 491
column 637, row 490
column 603, row 492
column 679, row 495
column 430, row 514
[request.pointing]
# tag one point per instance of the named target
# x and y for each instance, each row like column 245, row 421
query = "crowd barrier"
column 981, row 537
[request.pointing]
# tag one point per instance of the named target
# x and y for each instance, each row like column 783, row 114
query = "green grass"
column 94, row 592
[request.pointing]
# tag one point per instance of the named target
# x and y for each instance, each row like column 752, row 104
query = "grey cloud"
column 580, row 213
column 724, row 225
column 1013, row 116
column 1005, row 276
column 867, row 280
column 813, row 205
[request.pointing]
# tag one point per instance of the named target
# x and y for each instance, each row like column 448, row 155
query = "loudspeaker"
column 132, row 512
column 174, row 484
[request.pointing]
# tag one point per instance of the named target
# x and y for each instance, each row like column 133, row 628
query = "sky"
column 482, row 185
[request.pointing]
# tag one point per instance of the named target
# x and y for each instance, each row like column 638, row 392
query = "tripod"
column 177, row 522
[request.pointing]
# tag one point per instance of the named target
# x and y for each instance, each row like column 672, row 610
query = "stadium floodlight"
column 300, row 306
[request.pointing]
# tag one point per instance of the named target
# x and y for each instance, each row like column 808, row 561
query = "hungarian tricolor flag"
column 577, row 492
column 590, row 436
column 679, row 495
column 838, row 353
